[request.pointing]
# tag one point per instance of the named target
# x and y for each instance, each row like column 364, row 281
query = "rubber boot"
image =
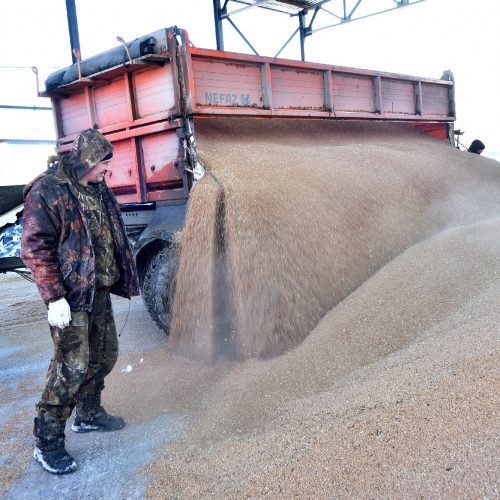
column 91, row 416
column 49, row 448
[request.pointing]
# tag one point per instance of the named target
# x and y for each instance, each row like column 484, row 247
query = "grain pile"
column 295, row 215
column 395, row 394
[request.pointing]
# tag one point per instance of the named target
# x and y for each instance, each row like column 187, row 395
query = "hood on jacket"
column 88, row 149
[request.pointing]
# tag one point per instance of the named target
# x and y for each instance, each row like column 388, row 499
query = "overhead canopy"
column 285, row 6
column 307, row 11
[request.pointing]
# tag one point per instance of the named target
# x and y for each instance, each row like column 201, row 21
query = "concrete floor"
column 109, row 463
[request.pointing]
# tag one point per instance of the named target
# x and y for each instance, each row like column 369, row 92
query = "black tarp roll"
column 154, row 43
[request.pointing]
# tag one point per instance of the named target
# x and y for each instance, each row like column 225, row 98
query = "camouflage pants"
column 84, row 353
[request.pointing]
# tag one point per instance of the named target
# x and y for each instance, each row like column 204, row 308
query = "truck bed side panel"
column 224, row 83
column 353, row 94
column 297, row 89
column 435, row 99
column 398, row 97
column 236, row 84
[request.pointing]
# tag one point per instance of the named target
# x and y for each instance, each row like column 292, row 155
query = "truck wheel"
column 158, row 286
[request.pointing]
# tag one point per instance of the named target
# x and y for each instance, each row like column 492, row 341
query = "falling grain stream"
column 295, row 215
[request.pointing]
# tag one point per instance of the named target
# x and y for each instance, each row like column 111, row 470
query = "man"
column 75, row 244
column 476, row 146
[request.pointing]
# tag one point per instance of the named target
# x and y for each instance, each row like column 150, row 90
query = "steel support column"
column 303, row 34
column 219, row 36
column 74, row 38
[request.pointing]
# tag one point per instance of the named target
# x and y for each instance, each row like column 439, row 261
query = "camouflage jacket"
column 56, row 243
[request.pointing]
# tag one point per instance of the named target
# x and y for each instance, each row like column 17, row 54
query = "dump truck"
column 146, row 96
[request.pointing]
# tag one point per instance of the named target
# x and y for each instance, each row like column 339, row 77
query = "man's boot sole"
column 82, row 428
column 37, row 455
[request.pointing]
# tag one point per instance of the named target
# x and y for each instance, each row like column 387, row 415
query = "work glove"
column 59, row 314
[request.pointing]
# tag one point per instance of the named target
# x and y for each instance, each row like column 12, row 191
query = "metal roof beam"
column 282, row 6
column 242, row 36
column 263, row 6
column 348, row 18
column 258, row 3
column 33, row 108
column 300, row 8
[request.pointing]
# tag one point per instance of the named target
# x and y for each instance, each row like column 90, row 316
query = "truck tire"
column 158, row 286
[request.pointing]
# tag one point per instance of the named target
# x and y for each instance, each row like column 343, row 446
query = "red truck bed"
column 142, row 105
